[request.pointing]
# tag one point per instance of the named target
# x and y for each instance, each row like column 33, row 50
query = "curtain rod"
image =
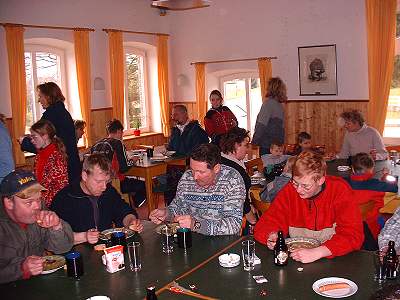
column 231, row 60
column 44, row 26
column 137, row 32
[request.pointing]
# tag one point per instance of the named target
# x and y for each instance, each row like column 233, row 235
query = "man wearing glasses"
column 313, row 206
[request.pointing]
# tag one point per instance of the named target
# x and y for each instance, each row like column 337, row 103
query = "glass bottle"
column 281, row 252
column 391, row 261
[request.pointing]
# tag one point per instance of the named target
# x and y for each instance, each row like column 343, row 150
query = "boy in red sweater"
column 315, row 206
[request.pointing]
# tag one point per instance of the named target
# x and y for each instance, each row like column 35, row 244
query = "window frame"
column 33, row 49
column 138, row 52
column 247, row 76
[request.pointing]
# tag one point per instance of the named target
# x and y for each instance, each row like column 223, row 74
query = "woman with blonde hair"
column 51, row 159
column 270, row 124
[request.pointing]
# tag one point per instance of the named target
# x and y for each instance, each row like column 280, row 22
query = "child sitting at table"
column 303, row 143
column 367, row 188
column 275, row 161
column 271, row 189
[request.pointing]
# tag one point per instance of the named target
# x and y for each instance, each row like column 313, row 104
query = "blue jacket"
column 192, row 136
column 6, row 155
column 65, row 130
column 73, row 206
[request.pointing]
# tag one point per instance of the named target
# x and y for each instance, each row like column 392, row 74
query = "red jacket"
column 51, row 171
column 218, row 121
column 333, row 205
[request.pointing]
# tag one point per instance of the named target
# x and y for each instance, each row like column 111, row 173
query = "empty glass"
column 248, row 253
column 134, row 256
column 380, row 266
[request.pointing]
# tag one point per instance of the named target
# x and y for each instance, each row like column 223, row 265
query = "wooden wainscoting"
column 191, row 107
column 319, row 118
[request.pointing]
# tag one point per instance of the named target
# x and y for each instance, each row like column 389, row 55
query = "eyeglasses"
column 304, row 186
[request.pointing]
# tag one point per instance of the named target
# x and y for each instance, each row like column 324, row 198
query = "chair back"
column 117, row 185
column 254, row 165
column 290, row 148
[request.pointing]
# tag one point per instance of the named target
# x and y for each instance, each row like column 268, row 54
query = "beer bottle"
column 151, row 293
column 391, row 261
column 281, row 252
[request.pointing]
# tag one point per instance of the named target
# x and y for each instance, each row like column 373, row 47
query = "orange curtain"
column 265, row 73
column 163, row 91
column 16, row 68
column 82, row 58
column 201, row 100
column 381, row 30
column 116, row 52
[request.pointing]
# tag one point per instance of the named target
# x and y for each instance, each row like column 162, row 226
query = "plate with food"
column 52, row 263
column 106, row 234
column 162, row 227
column 170, row 153
column 335, row 287
column 301, row 243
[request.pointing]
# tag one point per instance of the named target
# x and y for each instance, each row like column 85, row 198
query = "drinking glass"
column 134, row 256
column 168, row 240
column 248, row 253
column 184, row 238
column 74, row 264
column 380, row 266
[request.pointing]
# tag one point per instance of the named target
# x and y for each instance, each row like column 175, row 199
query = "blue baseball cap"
column 19, row 181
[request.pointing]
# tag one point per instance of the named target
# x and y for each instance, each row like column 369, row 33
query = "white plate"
column 57, row 262
column 337, row 293
column 343, row 168
column 51, row 271
column 307, row 243
column 158, row 158
column 106, row 234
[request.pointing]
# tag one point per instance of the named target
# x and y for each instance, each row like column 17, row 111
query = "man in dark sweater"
column 93, row 204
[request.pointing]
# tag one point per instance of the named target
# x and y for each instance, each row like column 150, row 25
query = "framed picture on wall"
column 317, row 70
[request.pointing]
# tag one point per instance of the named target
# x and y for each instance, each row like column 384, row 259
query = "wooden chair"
column 289, row 148
column 254, row 165
column 117, row 185
column 393, row 147
column 259, row 205
column 253, row 151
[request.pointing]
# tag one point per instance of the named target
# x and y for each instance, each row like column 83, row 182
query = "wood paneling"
column 191, row 107
column 99, row 119
column 319, row 118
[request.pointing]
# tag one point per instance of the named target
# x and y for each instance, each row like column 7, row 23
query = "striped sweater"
column 218, row 208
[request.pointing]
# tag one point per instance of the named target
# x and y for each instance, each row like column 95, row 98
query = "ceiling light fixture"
column 180, row 4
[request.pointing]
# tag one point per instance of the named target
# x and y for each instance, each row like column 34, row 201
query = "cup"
column 134, row 256
column 248, row 253
column 118, row 238
column 74, row 264
column 380, row 266
column 184, row 238
column 150, row 152
column 168, row 240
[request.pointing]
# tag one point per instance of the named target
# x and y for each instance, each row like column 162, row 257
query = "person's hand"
column 136, row 225
column 48, row 219
column 33, row 265
column 92, row 236
column 158, row 215
column 185, row 221
column 385, row 171
column 271, row 240
column 310, row 255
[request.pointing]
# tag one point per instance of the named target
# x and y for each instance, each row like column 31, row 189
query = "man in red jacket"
column 315, row 206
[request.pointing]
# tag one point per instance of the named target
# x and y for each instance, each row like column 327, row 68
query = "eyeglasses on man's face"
column 304, row 186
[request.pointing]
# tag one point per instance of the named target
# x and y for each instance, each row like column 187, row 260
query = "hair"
column 277, row 89
column 289, row 164
column 276, row 143
column 114, row 125
column 79, row 124
column 43, row 127
column 208, row 153
column 307, row 163
column 354, row 116
column 362, row 162
column 52, row 91
column 97, row 159
column 217, row 93
column 303, row 136
column 181, row 108
column 234, row 136
column 2, row 118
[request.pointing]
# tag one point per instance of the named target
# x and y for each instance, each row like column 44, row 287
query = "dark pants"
column 136, row 187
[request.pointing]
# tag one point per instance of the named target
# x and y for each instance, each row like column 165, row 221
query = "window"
column 41, row 65
column 392, row 122
column 136, row 103
column 242, row 94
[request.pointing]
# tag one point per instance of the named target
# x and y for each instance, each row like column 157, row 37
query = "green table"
column 157, row 268
column 212, row 280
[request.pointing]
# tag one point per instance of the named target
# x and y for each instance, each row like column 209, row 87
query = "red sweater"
column 219, row 120
column 51, row 171
column 333, row 205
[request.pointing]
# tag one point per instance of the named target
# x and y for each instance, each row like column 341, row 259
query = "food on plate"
column 100, row 247
column 333, row 286
column 53, row 262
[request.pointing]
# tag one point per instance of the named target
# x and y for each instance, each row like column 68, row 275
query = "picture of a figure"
column 317, row 70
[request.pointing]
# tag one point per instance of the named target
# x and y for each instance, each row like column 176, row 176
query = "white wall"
column 227, row 29
column 230, row 29
column 134, row 15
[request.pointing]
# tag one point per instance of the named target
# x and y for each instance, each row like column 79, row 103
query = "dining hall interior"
column 138, row 60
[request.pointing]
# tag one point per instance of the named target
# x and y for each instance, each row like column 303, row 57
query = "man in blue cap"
column 25, row 229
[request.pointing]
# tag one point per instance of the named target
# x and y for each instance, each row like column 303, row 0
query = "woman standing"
column 51, row 159
column 52, row 100
column 270, row 126
column 219, row 119
column 234, row 146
